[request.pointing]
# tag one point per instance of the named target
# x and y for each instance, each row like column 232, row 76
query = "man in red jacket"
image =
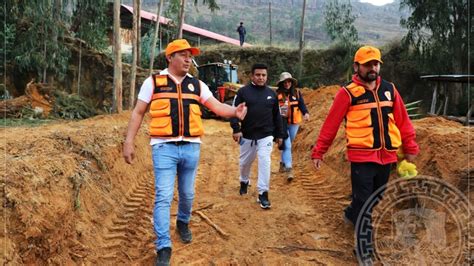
column 377, row 124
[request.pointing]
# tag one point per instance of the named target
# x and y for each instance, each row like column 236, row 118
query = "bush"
column 72, row 106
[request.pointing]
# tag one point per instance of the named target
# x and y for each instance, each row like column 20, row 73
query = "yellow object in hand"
column 406, row 169
column 400, row 154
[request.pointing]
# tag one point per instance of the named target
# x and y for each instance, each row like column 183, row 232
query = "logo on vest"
column 269, row 97
column 294, row 98
column 388, row 95
column 166, row 89
column 190, row 87
column 362, row 101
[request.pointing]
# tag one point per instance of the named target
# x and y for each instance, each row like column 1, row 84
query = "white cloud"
column 377, row 2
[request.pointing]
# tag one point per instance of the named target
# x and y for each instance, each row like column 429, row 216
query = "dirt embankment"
column 444, row 144
column 69, row 198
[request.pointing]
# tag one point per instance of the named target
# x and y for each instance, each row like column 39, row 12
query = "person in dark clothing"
column 256, row 132
column 293, row 111
column 241, row 30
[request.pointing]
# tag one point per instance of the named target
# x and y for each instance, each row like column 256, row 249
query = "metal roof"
column 450, row 78
column 189, row 28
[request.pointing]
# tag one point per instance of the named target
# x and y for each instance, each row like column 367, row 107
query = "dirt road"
column 68, row 197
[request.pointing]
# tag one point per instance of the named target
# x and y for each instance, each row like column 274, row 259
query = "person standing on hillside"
column 377, row 124
column 293, row 110
column 173, row 97
column 256, row 132
column 241, row 30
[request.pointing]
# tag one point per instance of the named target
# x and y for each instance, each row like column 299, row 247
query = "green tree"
column 90, row 23
column 7, row 38
column 35, row 33
column 38, row 44
column 439, row 31
column 181, row 4
column 339, row 23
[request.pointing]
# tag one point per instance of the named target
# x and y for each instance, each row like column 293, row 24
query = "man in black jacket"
column 241, row 30
column 256, row 132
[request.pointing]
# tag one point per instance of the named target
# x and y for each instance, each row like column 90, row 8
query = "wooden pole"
column 155, row 36
column 433, row 101
column 181, row 19
column 117, row 90
column 79, row 67
column 135, row 44
column 300, row 68
column 139, row 33
column 446, row 100
column 270, row 19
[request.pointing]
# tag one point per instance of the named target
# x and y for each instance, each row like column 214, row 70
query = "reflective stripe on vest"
column 175, row 109
column 370, row 124
column 295, row 116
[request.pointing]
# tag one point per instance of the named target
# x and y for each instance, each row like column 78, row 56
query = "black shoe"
column 183, row 231
column 163, row 257
column 243, row 188
column 346, row 219
column 263, row 199
column 282, row 168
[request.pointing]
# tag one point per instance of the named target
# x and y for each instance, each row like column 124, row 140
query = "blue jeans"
column 286, row 153
column 242, row 39
column 170, row 160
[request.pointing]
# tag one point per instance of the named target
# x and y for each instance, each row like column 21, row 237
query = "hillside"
column 376, row 25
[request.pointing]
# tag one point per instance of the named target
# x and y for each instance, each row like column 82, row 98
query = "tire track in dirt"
column 326, row 190
column 129, row 235
column 285, row 230
column 322, row 190
column 219, row 159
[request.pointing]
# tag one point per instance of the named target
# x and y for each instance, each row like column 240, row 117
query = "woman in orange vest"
column 293, row 110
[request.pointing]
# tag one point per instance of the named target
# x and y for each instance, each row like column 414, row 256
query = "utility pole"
column 270, row 19
column 300, row 69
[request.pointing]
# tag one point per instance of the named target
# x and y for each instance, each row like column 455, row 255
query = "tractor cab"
column 215, row 75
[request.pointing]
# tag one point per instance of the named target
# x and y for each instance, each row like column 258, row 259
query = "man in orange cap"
column 173, row 97
column 377, row 124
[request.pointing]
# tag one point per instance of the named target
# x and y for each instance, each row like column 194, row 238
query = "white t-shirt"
column 146, row 93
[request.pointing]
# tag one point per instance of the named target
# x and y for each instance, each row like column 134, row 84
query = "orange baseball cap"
column 180, row 45
column 366, row 54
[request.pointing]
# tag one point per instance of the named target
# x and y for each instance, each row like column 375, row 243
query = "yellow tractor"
column 222, row 80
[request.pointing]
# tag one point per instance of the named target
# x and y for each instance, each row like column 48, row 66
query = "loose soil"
column 69, row 198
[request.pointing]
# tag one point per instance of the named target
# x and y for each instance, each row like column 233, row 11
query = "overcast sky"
column 377, row 2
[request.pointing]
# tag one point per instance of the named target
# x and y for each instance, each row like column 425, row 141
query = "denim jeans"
column 170, row 160
column 286, row 157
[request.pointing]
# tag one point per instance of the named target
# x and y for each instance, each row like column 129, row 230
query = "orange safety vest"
column 174, row 108
column 295, row 116
column 370, row 124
